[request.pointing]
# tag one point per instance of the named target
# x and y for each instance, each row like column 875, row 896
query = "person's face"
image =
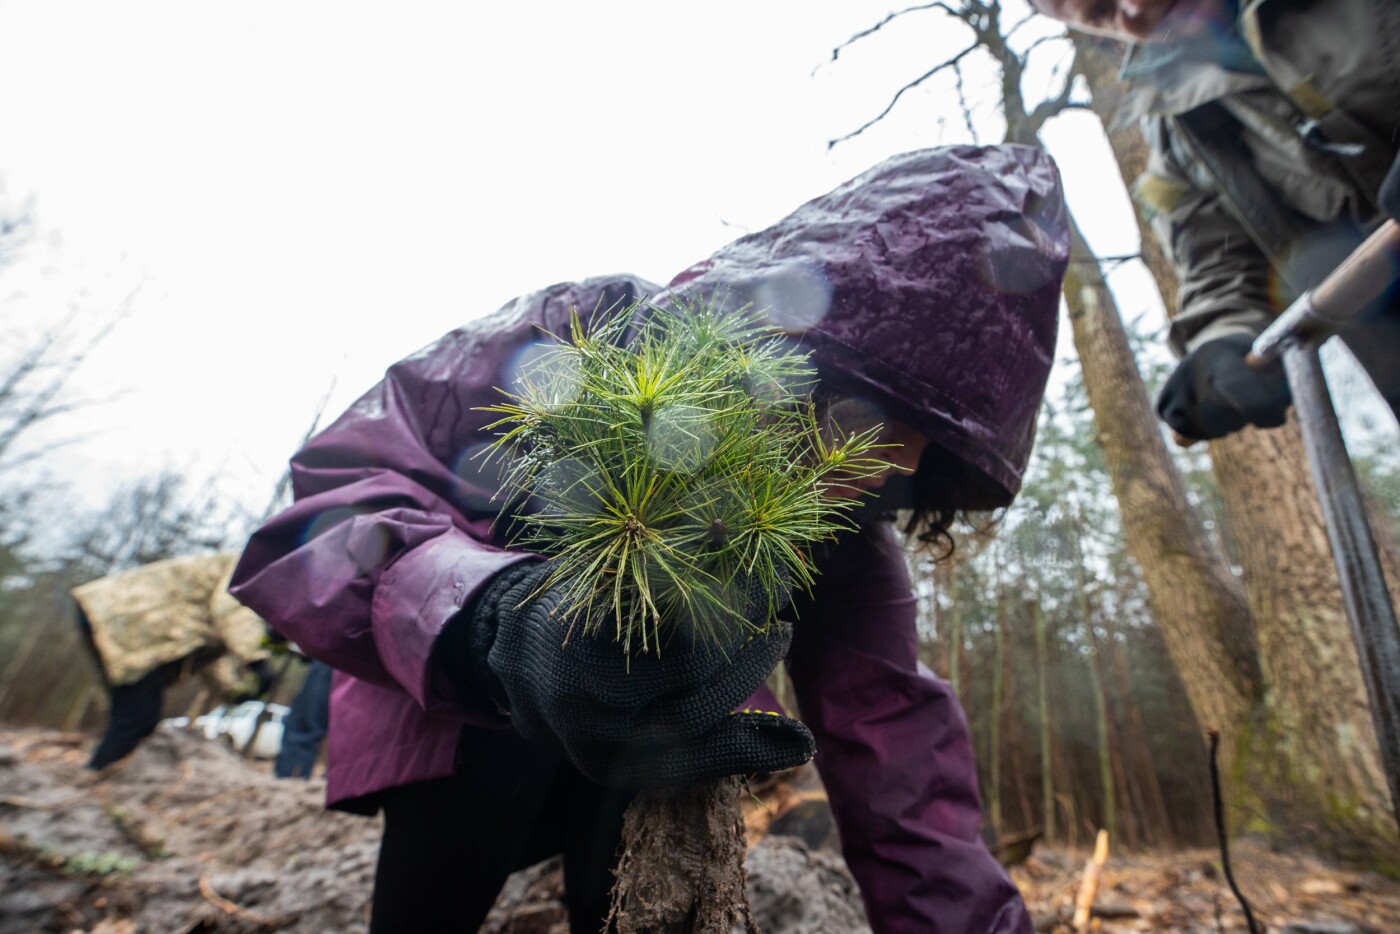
column 1136, row 20
column 905, row 445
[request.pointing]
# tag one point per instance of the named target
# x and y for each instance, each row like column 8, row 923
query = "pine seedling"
column 680, row 475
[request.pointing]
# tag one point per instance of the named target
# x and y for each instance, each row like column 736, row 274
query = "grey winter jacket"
column 1268, row 142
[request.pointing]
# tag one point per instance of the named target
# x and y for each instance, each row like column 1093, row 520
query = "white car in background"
column 235, row 725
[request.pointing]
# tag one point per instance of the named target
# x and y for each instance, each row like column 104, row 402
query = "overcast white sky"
column 296, row 194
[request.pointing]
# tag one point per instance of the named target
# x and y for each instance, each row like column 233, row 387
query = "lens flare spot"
column 574, row 486
column 369, row 545
column 545, row 373
column 679, row 437
column 795, row 296
column 851, row 415
column 774, row 381
column 481, row 471
column 328, row 520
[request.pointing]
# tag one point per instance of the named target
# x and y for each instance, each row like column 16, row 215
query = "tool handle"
column 1362, row 276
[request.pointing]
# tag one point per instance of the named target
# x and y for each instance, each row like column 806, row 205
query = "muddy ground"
column 185, row 836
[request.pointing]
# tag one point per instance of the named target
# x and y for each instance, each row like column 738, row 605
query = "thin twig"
column 1054, row 106
column 33, row 804
column 950, row 63
column 1104, row 260
column 206, row 888
column 963, row 104
column 890, row 17
column 186, row 773
column 1218, row 799
column 1029, row 17
column 285, row 481
column 1026, row 52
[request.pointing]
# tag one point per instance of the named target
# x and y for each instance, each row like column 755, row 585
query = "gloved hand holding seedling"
column 677, row 478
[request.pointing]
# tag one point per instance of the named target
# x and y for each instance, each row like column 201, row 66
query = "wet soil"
column 186, row 836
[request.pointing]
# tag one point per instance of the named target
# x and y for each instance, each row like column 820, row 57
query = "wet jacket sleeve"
column 391, row 529
column 1223, row 278
column 378, row 551
column 894, row 751
column 241, row 631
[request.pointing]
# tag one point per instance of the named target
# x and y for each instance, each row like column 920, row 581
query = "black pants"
column 450, row 843
column 305, row 726
column 134, row 709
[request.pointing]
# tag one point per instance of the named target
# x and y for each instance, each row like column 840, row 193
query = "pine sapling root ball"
column 680, row 475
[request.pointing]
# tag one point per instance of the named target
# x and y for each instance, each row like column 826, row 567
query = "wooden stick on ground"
column 206, row 888
column 1089, row 885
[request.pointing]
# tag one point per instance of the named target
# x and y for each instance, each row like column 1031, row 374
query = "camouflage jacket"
column 1267, row 144
column 169, row 610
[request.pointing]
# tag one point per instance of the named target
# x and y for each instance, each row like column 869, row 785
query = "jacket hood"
column 928, row 286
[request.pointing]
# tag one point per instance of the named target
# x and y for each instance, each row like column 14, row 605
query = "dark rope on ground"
column 1218, row 799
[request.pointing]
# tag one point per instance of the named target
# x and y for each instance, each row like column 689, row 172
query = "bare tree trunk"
column 1128, row 794
column 1156, row 820
column 1047, row 776
column 1018, row 775
column 14, row 669
column 955, row 633
column 1096, row 688
column 1199, row 606
column 993, row 794
column 1326, row 782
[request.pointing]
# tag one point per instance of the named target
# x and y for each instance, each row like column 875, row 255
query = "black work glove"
column 651, row 721
column 1213, row 392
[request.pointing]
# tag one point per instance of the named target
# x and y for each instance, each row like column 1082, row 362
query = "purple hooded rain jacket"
column 929, row 286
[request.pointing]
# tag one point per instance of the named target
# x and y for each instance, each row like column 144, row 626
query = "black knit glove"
column 647, row 722
column 1213, row 392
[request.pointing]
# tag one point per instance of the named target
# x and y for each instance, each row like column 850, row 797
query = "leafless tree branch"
column 35, row 454
column 983, row 17
column 950, row 63
column 1043, row 40
column 890, row 17
column 1029, row 17
column 963, row 105
column 163, row 515
column 24, row 404
column 1054, row 106
column 15, row 228
column 1115, row 260
column 284, row 483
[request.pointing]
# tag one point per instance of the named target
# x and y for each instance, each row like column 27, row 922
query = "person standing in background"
column 157, row 624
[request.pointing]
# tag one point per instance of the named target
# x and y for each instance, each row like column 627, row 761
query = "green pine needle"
column 681, row 472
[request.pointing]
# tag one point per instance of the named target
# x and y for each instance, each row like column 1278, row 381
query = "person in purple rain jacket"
column 926, row 291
